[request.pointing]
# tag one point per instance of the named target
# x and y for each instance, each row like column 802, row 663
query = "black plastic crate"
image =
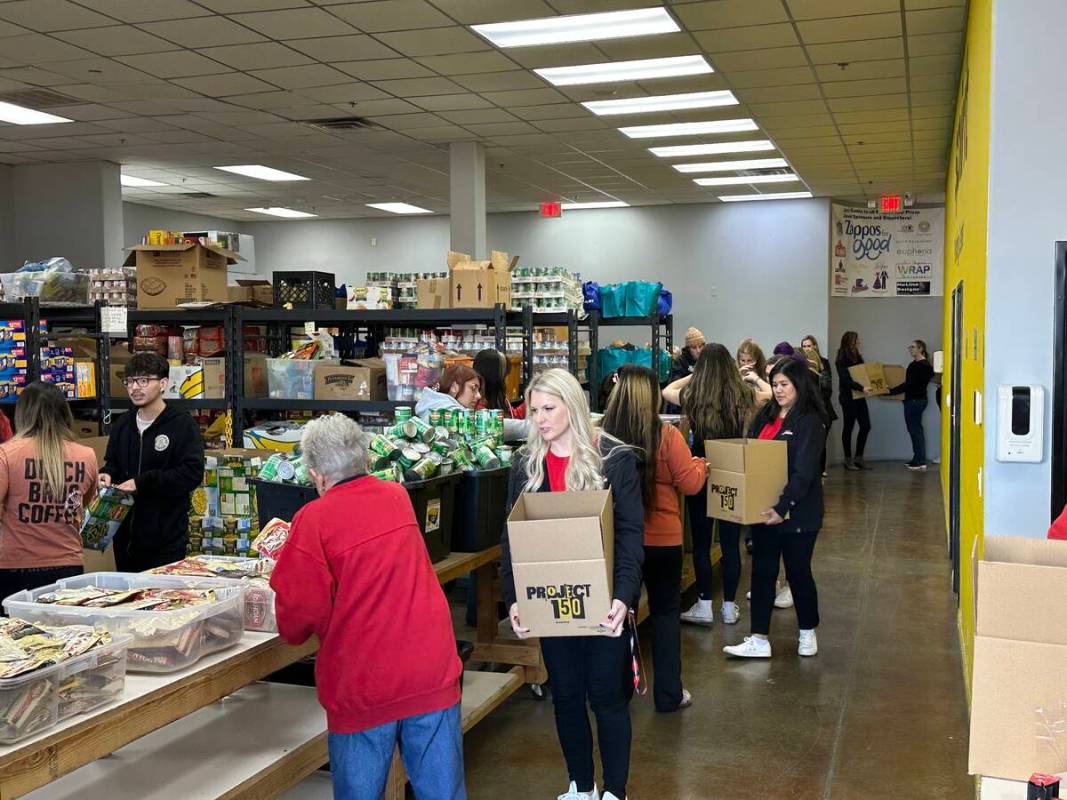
column 304, row 289
column 481, row 502
column 281, row 500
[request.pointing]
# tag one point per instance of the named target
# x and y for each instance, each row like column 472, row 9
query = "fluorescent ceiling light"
column 288, row 213
column 600, row 204
column 667, row 102
column 690, row 128
column 399, row 208
column 578, row 27
column 613, row 72
column 713, row 149
column 737, row 198
column 741, row 180
column 17, row 115
column 130, row 180
column 262, row 173
column 731, row 166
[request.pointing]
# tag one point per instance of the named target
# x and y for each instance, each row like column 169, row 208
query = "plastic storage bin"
column 304, row 289
column 293, row 378
column 481, row 503
column 259, row 597
column 33, row 703
column 51, row 286
column 163, row 641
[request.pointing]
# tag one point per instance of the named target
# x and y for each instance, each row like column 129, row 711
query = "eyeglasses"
column 141, row 383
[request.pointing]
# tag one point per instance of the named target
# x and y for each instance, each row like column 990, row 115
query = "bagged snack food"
column 272, row 538
column 104, row 516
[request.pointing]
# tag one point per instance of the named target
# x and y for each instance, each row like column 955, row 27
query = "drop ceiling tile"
column 391, row 15
column 861, row 70
column 874, row 127
column 760, row 59
column 86, row 91
column 142, row 11
column 302, row 77
column 934, row 65
column 442, row 133
column 268, row 101
column 343, row 48
column 451, row 102
column 434, row 41
column 238, row 6
column 878, row 138
column 939, row 124
column 478, row 116
column 773, row 94
column 730, row 13
column 936, row 20
column 33, row 48
column 849, row 29
column 264, row 55
column 239, row 117
column 468, row 63
column 296, row 23
column 903, row 149
column 386, row 69
column 135, row 125
column 385, row 107
column 51, row 15
column 876, row 103
column 116, row 40
column 820, row 9
column 88, row 113
column 316, row 111
column 560, row 55
column 945, row 99
column 865, row 88
column 471, row 12
column 753, row 37
column 43, row 77
column 917, row 4
column 665, row 45
column 935, row 44
column 501, row 128
column 175, row 64
column 773, row 124
column 525, row 97
column 866, row 50
column 196, row 33
column 224, row 85
column 346, row 93
column 784, row 76
column 801, row 141
column 883, row 115
column 555, row 111
column 418, row 87
column 797, row 107
column 402, row 122
column 500, row 81
column 930, row 112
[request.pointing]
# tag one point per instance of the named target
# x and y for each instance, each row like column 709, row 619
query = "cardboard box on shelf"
column 282, row 437
column 870, row 375
column 480, row 284
column 352, row 380
column 745, row 477
column 1018, row 695
column 180, row 273
column 369, row 298
column 255, row 375
column 562, row 548
column 186, row 383
column 98, row 445
column 118, row 357
column 432, row 293
column 214, row 377
column 257, row 291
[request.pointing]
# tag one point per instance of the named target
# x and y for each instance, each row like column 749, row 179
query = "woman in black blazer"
column 794, row 416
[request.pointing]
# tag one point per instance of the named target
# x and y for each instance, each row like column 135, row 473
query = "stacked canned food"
column 453, row 439
column 546, row 289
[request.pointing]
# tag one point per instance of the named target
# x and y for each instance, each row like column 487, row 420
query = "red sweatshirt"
column 355, row 572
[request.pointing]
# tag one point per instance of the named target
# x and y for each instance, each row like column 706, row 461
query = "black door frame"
column 1059, row 387
column 955, row 434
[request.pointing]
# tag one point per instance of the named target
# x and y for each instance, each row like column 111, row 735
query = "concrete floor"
column 880, row 712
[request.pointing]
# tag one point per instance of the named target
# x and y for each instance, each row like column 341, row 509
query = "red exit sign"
column 891, row 203
column 551, row 210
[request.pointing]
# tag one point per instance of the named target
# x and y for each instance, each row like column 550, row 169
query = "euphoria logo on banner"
column 567, row 600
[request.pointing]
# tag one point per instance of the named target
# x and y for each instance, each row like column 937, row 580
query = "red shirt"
column 363, row 583
column 771, row 430
column 557, row 471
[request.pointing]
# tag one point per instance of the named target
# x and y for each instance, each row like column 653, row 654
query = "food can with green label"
column 482, row 422
column 461, row 458
column 380, row 445
column 421, row 447
column 486, row 458
column 384, row 474
column 442, row 448
column 402, row 413
column 409, row 456
column 378, row 463
column 447, row 467
column 403, row 430
column 423, row 430
column 286, row 470
column 269, row 471
column 435, row 418
column 505, row 454
column 422, row 470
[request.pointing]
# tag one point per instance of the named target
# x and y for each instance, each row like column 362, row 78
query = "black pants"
column 587, row 669
column 825, row 447
column 913, row 418
column 696, row 507
column 855, row 412
column 774, row 543
column 662, row 574
column 730, row 542
column 127, row 561
column 15, row 580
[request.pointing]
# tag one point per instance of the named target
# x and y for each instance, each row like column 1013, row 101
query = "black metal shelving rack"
column 661, row 327
column 530, row 320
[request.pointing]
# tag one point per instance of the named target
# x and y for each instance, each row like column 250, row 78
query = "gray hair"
column 335, row 447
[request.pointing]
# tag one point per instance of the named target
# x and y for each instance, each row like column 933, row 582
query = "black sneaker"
column 860, row 465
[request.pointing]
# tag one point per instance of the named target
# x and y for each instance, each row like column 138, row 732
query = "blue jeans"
column 913, row 418
column 431, row 747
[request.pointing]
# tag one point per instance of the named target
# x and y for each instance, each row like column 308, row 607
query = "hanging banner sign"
column 895, row 254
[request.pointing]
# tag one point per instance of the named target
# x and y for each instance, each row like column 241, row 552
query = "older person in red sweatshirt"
column 355, row 573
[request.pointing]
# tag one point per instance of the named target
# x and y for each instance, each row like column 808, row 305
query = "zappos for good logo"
column 567, row 600
column 869, row 242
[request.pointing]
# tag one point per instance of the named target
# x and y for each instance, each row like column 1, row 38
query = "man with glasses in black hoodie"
column 156, row 452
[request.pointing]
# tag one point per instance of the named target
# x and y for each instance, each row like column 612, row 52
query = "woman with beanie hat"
column 687, row 358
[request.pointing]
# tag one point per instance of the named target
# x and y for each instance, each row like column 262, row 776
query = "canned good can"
column 423, row 430
column 482, row 422
column 498, row 422
column 398, row 473
column 486, row 458
column 505, row 454
column 409, row 456
column 442, row 448
column 421, row 447
column 422, row 470
column 403, row 430
column 379, row 463
column 440, row 434
column 286, row 470
column 380, row 445
column 269, row 471
column 461, row 458
column 447, row 467
column 435, row 418
column 384, row 474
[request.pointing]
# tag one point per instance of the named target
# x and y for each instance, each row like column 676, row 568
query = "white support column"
column 467, row 198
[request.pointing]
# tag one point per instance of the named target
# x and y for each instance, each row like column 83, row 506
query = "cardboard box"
column 745, row 477
column 282, row 437
column 119, row 357
column 895, row 375
column 870, row 375
column 85, row 378
column 186, row 383
column 369, row 298
column 1018, row 695
column 99, row 446
column 255, row 375
column 432, row 293
column 352, row 380
column 214, row 369
column 251, row 291
column 480, row 284
column 180, row 273
column 562, row 547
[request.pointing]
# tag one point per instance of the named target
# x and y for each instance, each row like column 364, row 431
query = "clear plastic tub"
column 163, row 641
column 32, row 703
column 259, row 597
column 294, row 378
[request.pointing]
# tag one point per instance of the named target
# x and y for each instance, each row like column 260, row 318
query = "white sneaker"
column 808, row 645
column 784, row 598
column 753, row 647
column 730, row 613
column 748, row 595
column 700, row 614
column 610, row 796
column 573, row 794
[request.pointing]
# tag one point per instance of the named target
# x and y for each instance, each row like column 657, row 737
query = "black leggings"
column 700, row 524
column 774, row 544
column 662, row 575
column 855, row 411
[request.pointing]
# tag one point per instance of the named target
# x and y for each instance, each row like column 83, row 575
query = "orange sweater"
column 676, row 471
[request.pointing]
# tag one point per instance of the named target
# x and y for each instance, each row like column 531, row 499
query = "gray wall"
column 886, row 327
column 139, row 219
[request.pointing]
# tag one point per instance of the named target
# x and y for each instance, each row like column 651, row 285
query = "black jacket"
column 622, row 478
column 801, row 498
column 916, row 379
column 845, row 383
column 167, row 464
column 826, row 389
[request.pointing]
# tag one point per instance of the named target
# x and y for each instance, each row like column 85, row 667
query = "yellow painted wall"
column 966, row 218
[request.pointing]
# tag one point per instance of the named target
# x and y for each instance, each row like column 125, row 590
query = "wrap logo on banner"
column 897, row 254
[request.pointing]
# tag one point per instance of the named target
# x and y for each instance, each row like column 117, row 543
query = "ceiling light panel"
column 667, row 102
column 399, row 208
column 600, row 204
column 731, row 166
column 740, row 198
column 578, row 28
column 140, row 183
column 18, row 115
column 615, row 72
column 712, row 148
column 278, row 211
column 744, row 180
column 262, row 173
column 690, row 128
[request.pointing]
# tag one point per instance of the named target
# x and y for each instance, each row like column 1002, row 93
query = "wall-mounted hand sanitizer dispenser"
column 1020, row 423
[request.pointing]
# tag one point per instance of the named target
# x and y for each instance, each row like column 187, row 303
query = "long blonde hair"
column 42, row 414
column 585, row 469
